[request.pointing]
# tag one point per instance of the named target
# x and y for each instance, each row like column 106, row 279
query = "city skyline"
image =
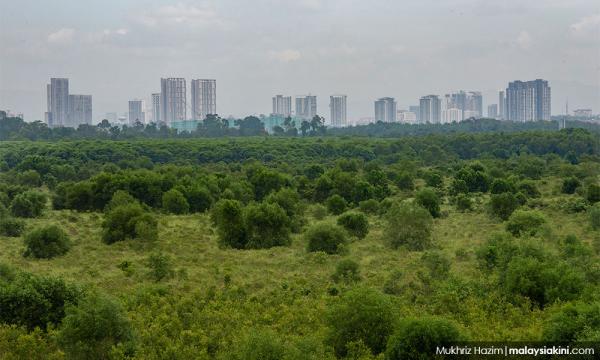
column 118, row 54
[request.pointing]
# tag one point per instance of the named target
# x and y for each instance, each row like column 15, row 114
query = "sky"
column 117, row 50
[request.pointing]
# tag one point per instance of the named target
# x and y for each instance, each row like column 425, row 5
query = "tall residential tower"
column 528, row 101
column 172, row 100
column 204, row 98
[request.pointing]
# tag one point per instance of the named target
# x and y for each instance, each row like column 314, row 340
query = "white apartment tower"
column 173, row 100
column 58, row 102
column 80, row 110
column 337, row 105
column 282, row 105
column 156, row 108
column 136, row 112
column 306, row 106
column 204, row 98
column 385, row 110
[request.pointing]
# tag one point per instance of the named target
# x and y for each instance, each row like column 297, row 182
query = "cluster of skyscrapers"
column 64, row 109
column 306, row 108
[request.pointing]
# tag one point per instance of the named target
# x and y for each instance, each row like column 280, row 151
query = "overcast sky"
column 117, row 50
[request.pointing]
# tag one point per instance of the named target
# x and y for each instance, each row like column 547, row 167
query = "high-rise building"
column 501, row 105
column 429, row 107
column 282, row 105
column 385, row 110
column 156, row 108
column 492, row 111
column 474, row 104
column 204, row 98
column 417, row 110
column 58, row 102
column 452, row 115
column 80, row 110
column 306, row 106
column 528, row 100
column 337, row 105
column 136, row 112
column 172, row 100
column 406, row 117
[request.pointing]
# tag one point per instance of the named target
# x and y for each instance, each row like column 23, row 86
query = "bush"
column 260, row 345
column 503, row 205
column 500, row 186
column 32, row 301
column 355, row 223
column 267, row 225
column 91, row 329
column 593, row 193
column 29, row 204
column 417, row 339
column 529, row 188
column 325, row 237
column 370, row 206
column 198, row 198
column 429, row 199
column 361, row 315
column 437, row 264
column 570, row 185
column 161, row 267
column 572, row 323
column 594, row 216
column 464, row 202
column 128, row 222
column 523, row 222
column 120, row 198
column 79, row 196
column 11, row 227
column 47, row 242
column 346, row 271
column 408, row 224
column 174, row 202
column 405, row 181
column 227, row 216
column 336, row 204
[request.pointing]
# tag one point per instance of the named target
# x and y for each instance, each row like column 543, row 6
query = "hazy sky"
column 118, row 50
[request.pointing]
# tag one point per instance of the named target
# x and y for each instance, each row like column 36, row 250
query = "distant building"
column 156, row 108
column 112, row 117
column 173, row 106
column 337, row 105
column 406, row 117
column 469, row 103
column 452, row 115
column 492, row 111
column 80, row 111
column 429, row 107
column 501, row 105
column 306, row 106
column 136, row 112
column 528, row 100
column 474, row 104
column 204, row 98
column 585, row 113
column 417, row 110
column 58, row 102
column 282, row 105
column 385, row 110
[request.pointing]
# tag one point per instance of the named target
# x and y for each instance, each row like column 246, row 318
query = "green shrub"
column 500, row 186
column 336, row 204
column 361, row 315
column 593, row 193
column 120, row 198
column 260, row 345
column 93, row 327
column 408, row 225
column 267, row 225
column 464, row 202
column 128, row 222
column 417, row 339
column 161, row 266
column 347, row 271
column 370, row 206
column 198, row 198
column 357, row 224
column 529, row 188
column 29, row 204
column 11, row 227
column 573, row 323
column 570, row 185
column 503, row 205
column 318, row 211
column 325, row 237
column 47, row 242
column 437, row 264
column 174, row 202
column 594, row 216
column 227, row 216
column 429, row 199
column 523, row 222
column 433, row 179
column 79, row 196
column 405, row 181
column 34, row 301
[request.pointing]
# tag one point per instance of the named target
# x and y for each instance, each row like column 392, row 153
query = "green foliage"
column 360, row 315
column 474, row 177
column 437, row 263
column 227, row 216
column 128, row 222
column 260, row 345
column 593, row 193
column 17, row 343
column 347, row 271
column 429, row 199
column 417, row 339
column 594, row 216
column 11, row 227
column 93, row 327
column 408, row 225
column 500, row 186
column 405, row 181
column 29, row 204
column 464, row 202
column 198, row 198
column 267, row 225
column 570, row 185
column 503, row 205
column 47, row 242
column 525, row 223
column 174, row 202
column 161, row 267
column 34, row 301
column 357, row 224
column 573, row 323
column 370, row 206
column 336, row 204
column 433, row 179
column 265, row 181
column 529, row 188
column 79, row 196
column 325, row 237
